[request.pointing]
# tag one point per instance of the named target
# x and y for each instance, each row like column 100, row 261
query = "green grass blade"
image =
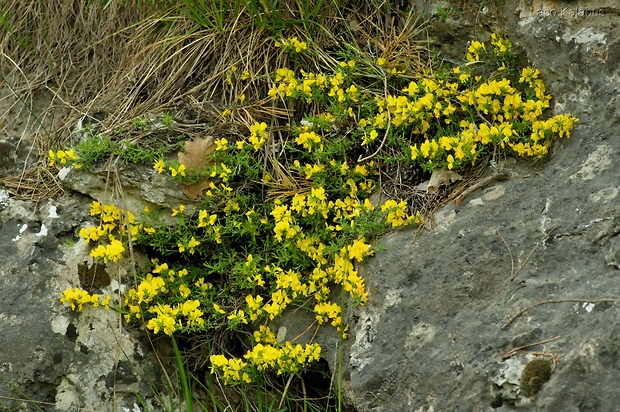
column 182, row 375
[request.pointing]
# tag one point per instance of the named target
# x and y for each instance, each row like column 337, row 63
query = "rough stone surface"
column 430, row 337
column 140, row 184
column 49, row 356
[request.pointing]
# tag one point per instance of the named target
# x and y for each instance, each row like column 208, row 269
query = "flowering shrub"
column 77, row 298
column 264, row 239
column 63, row 157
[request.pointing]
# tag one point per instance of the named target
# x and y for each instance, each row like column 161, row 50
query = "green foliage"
column 288, row 211
column 100, row 147
column 96, row 148
column 167, row 121
column 274, row 15
column 445, row 12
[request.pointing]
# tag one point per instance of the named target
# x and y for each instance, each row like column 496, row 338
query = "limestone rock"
column 431, row 337
column 140, row 185
column 58, row 360
column 435, row 334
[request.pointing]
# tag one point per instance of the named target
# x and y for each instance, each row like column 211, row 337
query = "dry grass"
column 56, row 56
column 129, row 62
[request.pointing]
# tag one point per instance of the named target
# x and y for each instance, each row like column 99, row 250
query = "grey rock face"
column 435, row 334
column 431, row 337
column 141, row 186
column 49, row 356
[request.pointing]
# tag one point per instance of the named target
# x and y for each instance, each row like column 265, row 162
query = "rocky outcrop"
column 530, row 259
column 508, row 303
column 51, row 358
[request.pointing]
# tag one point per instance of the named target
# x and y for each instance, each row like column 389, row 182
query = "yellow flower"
column 412, row 89
column 361, row 169
column 218, row 361
column 221, row 144
column 473, row 51
column 292, row 43
column 217, row 308
column 450, row 160
column 528, row 74
column 111, row 252
column 51, row 156
column 381, row 62
column 192, row 244
column 358, row 250
column 159, row 165
column 179, row 170
column 77, row 298
column 369, row 137
column 307, row 138
column 300, row 46
column 184, row 291
column 312, row 170
column 238, row 316
column 176, row 212
column 95, row 208
column 106, row 302
column 258, row 135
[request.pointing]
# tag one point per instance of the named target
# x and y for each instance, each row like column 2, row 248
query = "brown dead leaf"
column 194, row 191
column 195, row 159
column 439, row 177
column 196, row 151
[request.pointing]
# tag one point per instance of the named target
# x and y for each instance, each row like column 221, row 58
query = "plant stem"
column 186, row 389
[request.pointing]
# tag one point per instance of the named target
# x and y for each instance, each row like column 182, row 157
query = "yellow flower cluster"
column 168, row 318
column 112, row 222
column 77, row 298
column 234, row 370
column 175, row 171
column 325, row 311
column 311, row 85
column 474, row 50
column 258, row 136
column 269, row 253
column 290, row 284
column 307, row 139
column 64, row 157
column 284, row 225
column 188, row 245
column 213, row 230
column 159, row 165
column 501, row 46
column 166, row 284
column 112, row 225
column 267, row 354
column 505, row 116
column 110, row 252
column 396, row 214
column 471, row 113
column 292, row 43
column 221, row 144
